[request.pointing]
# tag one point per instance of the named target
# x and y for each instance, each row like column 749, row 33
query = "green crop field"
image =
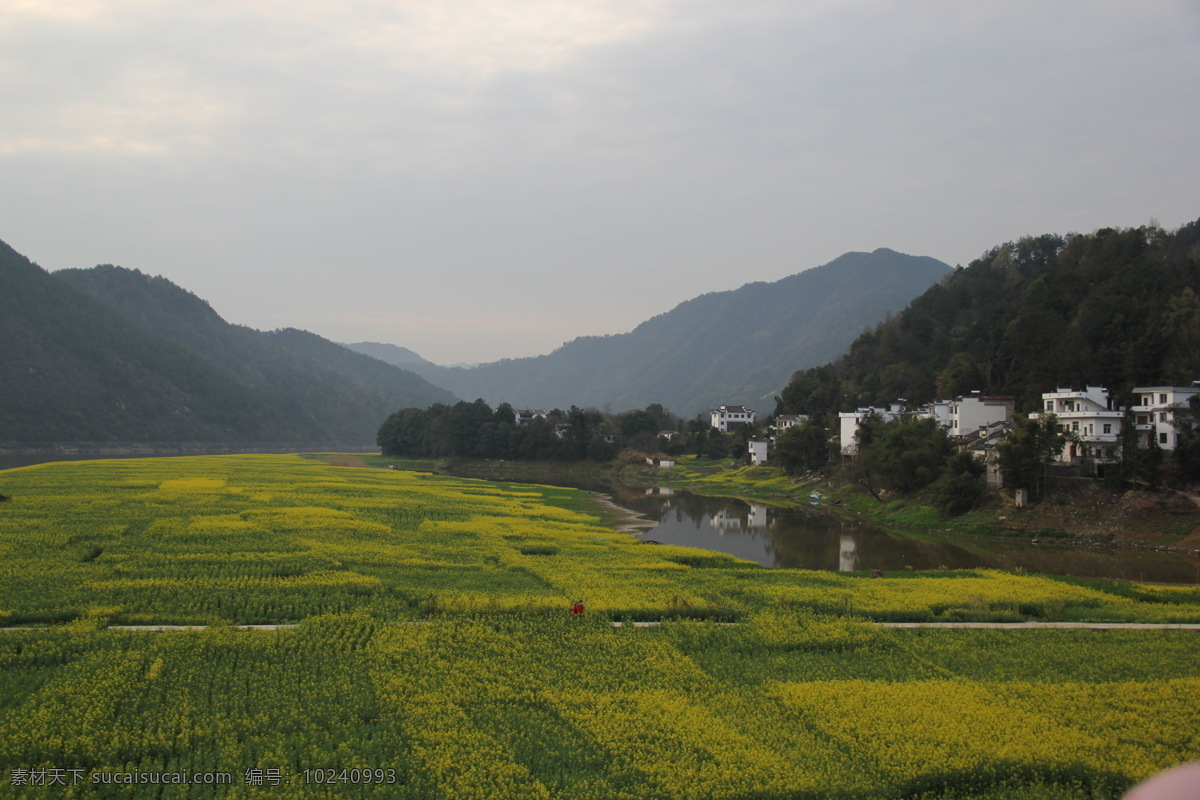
column 434, row 656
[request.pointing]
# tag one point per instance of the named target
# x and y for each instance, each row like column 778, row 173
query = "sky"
column 486, row 179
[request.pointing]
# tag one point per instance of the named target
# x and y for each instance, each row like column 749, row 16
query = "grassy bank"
column 1079, row 511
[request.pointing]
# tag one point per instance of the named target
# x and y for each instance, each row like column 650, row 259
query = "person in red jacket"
column 577, row 608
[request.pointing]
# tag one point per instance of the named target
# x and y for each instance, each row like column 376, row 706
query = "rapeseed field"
column 433, row 655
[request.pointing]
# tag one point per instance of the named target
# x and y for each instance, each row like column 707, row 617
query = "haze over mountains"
column 737, row 347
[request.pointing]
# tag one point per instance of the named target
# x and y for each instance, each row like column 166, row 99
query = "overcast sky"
column 481, row 179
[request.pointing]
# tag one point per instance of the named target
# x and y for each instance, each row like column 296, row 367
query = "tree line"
column 476, row 430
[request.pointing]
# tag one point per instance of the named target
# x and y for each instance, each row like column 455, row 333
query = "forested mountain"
column 734, row 347
column 112, row 355
column 1116, row 308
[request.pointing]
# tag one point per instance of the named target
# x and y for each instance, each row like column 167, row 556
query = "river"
column 812, row 539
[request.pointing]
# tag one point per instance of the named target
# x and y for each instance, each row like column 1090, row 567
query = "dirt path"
column 1029, row 626
column 1007, row 626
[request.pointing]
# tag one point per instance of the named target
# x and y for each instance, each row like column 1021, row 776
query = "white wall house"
column 1091, row 415
column 964, row 416
column 938, row 411
column 525, row 415
column 850, row 420
column 758, row 451
column 975, row 411
column 785, row 421
column 1152, row 412
column 726, row 418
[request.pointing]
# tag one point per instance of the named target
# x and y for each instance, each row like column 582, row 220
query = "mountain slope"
column 71, row 370
column 333, row 392
column 1115, row 308
column 735, row 347
column 392, row 354
column 114, row 356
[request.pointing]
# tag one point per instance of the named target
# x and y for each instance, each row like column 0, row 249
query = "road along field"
column 502, row 693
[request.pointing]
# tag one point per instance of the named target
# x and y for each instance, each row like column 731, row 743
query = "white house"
column 982, row 445
column 1153, row 415
column 524, row 415
column 726, row 418
column 785, row 421
column 964, row 416
column 1091, row 415
column 971, row 413
column 850, row 420
column 758, row 451
column 938, row 411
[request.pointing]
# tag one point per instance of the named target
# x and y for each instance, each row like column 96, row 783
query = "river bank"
column 1080, row 514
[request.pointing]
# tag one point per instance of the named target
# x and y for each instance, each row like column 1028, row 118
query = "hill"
column 737, row 347
column 110, row 355
column 1117, row 308
column 389, row 353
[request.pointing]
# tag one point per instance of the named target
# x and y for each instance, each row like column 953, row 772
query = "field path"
column 1029, row 626
column 1007, row 626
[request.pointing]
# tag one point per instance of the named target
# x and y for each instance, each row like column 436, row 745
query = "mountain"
column 734, row 347
column 388, row 353
column 110, row 355
column 1116, row 308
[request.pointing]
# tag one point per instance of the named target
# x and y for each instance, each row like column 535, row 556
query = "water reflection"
column 809, row 538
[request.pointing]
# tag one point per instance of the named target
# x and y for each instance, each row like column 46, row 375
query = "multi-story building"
column 785, row 421
column 966, row 415
column 1093, row 418
column 523, row 416
column 1153, row 412
column 726, row 418
column 850, row 420
column 975, row 411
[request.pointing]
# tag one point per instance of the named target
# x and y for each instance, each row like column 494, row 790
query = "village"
column 1090, row 419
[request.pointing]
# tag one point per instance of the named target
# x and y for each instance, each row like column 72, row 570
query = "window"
column 1108, row 427
column 1162, row 438
column 1162, row 398
column 1049, row 405
column 1162, row 416
column 1075, row 426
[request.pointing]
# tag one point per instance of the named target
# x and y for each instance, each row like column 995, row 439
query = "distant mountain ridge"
column 739, row 346
column 113, row 355
column 388, row 353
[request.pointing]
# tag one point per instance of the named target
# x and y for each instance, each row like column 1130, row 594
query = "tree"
column 1026, row 449
column 959, row 488
column 1187, row 445
column 811, row 391
column 803, row 447
column 866, row 467
column 913, row 452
